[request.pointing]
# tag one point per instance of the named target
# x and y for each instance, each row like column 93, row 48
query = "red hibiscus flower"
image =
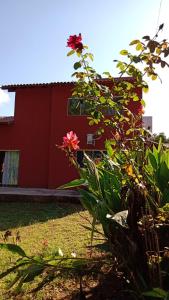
column 70, row 142
column 75, row 42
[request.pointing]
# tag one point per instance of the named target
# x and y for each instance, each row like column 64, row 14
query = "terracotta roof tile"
column 5, row 119
column 13, row 87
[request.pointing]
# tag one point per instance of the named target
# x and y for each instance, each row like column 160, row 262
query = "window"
column 7, row 104
column 78, row 107
column 81, row 107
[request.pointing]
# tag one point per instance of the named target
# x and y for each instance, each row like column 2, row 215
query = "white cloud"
column 4, row 97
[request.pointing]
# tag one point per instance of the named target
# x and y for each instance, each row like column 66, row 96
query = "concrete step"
column 37, row 194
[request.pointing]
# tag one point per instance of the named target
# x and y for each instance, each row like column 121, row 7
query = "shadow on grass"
column 17, row 214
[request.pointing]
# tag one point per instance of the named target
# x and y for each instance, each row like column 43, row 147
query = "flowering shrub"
column 124, row 178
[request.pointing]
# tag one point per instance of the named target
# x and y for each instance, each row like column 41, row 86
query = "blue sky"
column 33, row 42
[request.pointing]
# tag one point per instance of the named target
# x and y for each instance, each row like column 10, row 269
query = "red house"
column 44, row 113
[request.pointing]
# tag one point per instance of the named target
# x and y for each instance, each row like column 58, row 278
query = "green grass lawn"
column 38, row 224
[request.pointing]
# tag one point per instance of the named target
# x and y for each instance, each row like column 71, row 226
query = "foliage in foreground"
column 127, row 190
column 26, row 268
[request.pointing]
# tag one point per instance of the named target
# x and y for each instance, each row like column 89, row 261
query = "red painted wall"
column 40, row 122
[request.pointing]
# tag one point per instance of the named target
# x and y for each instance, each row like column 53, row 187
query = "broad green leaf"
column 153, row 160
column 48, row 278
column 136, row 59
column 91, row 56
column 139, row 47
column 123, row 52
column 91, row 122
column 107, row 74
column 158, row 50
column 73, row 183
column 32, row 271
column 161, row 26
column 77, row 65
column 96, row 121
column 166, row 197
column 146, row 37
column 89, row 201
column 159, row 146
column 119, row 64
column 102, row 99
column 156, row 293
column 136, row 98
column 78, row 53
column 154, row 77
column 13, row 248
column 71, row 52
column 145, row 89
column 143, row 102
column 134, row 42
column 13, row 269
column 163, row 64
column 108, row 146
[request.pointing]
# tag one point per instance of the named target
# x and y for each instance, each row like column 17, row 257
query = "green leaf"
column 163, row 63
column 108, row 146
column 77, row 65
column 156, row 293
column 129, row 131
column 48, row 278
column 158, row 50
column 136, row 59
column 161, row 26
column 32, row 271
column 71, row 52
column 73, row 183
column 13, row 248
column 154, row 77
column 143, row 102
column 102, row 99
column 11, row 270
column 139, row 47
column 119, row 64
column 89, row 201
column 123, row 52
column 153, row 160
column 136, row 98
column 91, row 122
column 91, row 56
column 107, row 74
column 145, row 89
column 146, row 37
column 134, row 42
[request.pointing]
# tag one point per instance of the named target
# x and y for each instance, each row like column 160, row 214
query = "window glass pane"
column 85, row 107
column 74, row 106
column 78, row 107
